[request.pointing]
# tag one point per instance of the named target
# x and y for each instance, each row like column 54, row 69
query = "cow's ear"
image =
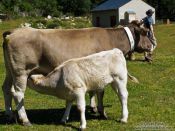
column 141, row 30
column 144, row 31
column 136, row 22
column 137, row 30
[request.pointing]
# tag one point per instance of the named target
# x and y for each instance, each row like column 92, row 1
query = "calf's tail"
column 132, row 78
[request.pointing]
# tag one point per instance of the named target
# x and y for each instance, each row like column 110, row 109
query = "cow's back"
column 41, row 50
column 46, row 49
column 75, row 43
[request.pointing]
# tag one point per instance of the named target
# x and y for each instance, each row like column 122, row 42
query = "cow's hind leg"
column 67, row 112
column 101, row 111
column 7, row 86
column 119, row 86
column 20, row 83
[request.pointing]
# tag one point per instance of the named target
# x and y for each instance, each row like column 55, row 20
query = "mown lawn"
column 151, row 103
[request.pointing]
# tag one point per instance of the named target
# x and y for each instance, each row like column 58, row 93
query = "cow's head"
column 142, row 42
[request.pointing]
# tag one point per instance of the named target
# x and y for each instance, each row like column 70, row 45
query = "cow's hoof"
column 103, row 115
column 27, row 123
column 148, row 59
column 63, row 122
column 11, row 120
column 94, row 110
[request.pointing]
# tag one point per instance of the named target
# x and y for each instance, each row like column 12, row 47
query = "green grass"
column 152, row 102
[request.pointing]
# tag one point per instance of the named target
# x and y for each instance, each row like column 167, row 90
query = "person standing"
column 148, row 23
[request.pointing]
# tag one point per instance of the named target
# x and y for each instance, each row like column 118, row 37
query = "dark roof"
column 110, row 5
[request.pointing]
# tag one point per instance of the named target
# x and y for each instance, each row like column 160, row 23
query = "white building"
column 115, row 12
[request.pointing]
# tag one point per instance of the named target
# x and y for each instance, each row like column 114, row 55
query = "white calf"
column 72, row 79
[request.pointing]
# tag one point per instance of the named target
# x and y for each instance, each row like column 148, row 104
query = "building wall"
column 105, row 20
column 138, row 6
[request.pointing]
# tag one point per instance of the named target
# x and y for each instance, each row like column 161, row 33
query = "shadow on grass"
column 137, row 59
column 52, row 116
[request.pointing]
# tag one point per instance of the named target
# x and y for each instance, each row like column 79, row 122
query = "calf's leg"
column 81, row 107
column 119, row 86
column 92, row 101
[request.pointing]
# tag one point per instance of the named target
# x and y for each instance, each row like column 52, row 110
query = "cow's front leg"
column 119, row 87
column 20, row 83
column 101, row 111
column 67, row 112
column 92, row 102
column 81, row 107
column 7, row 85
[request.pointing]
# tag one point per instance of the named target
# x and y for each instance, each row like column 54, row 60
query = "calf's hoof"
column 26, row 124
column 82, row 129
column 123, row 121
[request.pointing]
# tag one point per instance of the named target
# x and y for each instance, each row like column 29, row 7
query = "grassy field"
column 151, row 103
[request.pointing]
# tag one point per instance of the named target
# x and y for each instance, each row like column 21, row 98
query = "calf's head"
column 51, row 80
column 142, row 42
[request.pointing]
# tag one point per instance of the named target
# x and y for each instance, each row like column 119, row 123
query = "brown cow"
column 29, row 51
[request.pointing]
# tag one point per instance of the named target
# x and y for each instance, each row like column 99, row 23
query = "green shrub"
column 43, row 21
column 52, row 25
column 66, row 23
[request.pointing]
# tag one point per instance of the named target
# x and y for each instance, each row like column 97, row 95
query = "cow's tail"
column 5, row 50
column 5, row 39
column 132, row 78
column 6, row 33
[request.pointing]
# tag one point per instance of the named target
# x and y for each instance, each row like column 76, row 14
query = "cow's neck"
column 120, row 40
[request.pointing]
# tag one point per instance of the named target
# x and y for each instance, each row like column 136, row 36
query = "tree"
column 25, row 6
column 46, row 7
column 96, row 2
column 164, row 8
column 168, row 8
column 84, row 7
column 76, row 7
